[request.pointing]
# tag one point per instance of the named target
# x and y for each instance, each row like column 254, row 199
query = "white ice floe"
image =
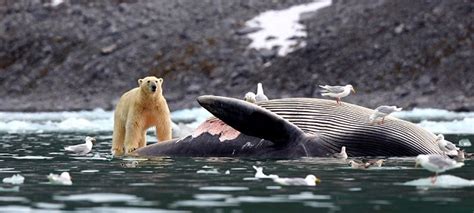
column 439, row 120
column 310, row 180
column 15, row 179
column 435, row 120
column 99, row 198
column 464, row 142
column 210, row 171
column 463, row 126
column 419, row 114
column 63, row 179
column 280, row 27
column 195, row 115
column 82, row 121
column 20, row 122
column 442, row 181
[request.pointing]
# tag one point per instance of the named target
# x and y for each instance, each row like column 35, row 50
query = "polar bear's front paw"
column 117, row 151
column 130, row 150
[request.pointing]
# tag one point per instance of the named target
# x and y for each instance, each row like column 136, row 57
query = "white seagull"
column 437, row 164
column 446, row 146
column 63, row 179
column 250, row 97
column 382, row 111
column 259, row 173
column 82, row 148
column 342, row 154
column 260, row 96
column 310, row 180
column 337, row 92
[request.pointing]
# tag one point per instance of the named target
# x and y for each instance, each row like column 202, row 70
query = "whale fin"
column 252, row 120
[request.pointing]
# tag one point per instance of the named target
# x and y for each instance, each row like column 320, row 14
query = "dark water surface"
column 102, row 184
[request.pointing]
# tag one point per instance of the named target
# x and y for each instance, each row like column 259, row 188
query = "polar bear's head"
column 150, row 84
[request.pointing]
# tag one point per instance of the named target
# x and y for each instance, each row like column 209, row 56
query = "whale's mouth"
column 251, row 119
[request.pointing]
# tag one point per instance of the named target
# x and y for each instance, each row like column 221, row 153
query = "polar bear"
column 138, row 110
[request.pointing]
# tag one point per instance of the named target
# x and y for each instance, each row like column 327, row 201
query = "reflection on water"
column 165, row 184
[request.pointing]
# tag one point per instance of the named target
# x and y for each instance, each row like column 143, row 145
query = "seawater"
column 167, row 184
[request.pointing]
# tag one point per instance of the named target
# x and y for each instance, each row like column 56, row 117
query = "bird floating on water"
column 447, row 147
column 342, row 154
column 82, row 148
column 337, row 92
column 310, row 180
column 382, row 112
column 437, row 164
column 63, row 179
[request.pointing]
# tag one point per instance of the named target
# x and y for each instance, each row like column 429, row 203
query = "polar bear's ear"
column 140, row 82
column 160, row 80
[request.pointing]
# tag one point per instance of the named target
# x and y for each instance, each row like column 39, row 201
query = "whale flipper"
column 252, row 119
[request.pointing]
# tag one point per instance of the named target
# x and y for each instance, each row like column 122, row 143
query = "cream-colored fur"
column 138, row 110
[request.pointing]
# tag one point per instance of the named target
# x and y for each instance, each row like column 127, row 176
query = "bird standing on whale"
column 337, row 92
column 382, row 112
column 254, row 98
column 260, row 96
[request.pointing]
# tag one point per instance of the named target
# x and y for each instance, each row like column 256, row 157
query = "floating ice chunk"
column 418, row 114
column 15, row 179
column 81, row 121
column 310, row 180
column 193, row 116
column 224, row 188
column 211, row 196
column 463, row 126
column 442, row 181
column 63, row 179
column 99, row 197
column 30, row 157
column 464, row 143
column 211, row 171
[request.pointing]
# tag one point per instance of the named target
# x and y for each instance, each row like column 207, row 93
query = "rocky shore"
column 85, row 54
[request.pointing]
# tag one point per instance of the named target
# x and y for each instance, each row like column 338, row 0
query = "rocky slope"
column 85, row 54
column 407, row 53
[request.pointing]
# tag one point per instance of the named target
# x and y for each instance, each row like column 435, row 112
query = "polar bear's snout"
column 153, row 88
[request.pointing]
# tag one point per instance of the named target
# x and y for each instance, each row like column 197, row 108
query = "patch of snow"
column 279, row 28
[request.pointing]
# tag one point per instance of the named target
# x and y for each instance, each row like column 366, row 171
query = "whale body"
column 294, row 127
